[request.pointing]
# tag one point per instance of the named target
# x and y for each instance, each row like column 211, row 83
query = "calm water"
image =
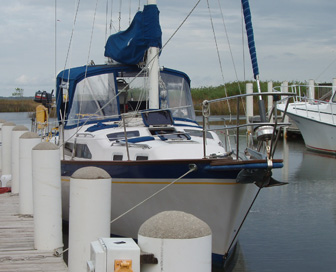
column 292, row 227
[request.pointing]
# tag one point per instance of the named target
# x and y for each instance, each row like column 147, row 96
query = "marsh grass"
column 230, row 89
column 198, row 96
column 21, row 105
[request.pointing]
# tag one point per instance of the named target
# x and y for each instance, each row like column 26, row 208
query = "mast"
column 253, row 54
column 153, row 72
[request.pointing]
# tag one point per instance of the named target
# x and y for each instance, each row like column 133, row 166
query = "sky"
column 295, row 39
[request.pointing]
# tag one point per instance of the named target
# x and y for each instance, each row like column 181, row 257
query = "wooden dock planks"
column 17, row 251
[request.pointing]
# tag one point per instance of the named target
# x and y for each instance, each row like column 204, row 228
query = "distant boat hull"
column 318, row 136
column 316, row 125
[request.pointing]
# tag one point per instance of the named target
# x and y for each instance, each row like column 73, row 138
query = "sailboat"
column 136, row 120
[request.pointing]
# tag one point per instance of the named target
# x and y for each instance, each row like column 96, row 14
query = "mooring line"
column 192, row 167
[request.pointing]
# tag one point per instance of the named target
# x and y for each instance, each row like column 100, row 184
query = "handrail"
column 307, row 104
column 268, row 132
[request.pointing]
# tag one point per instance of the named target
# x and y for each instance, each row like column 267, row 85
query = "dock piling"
column 16, row 133
column 6, row 152
column 26, row 143
column 47, row 197
column 89, row 215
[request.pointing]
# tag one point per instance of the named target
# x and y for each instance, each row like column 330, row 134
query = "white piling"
column 47, row 197
column 311, row 89
column 26, row 143
column 16, row 133
column 1, row 123
column 180, row 242
column 249, row 105
column 89, row 215
column 6, row 152
column 284, row 89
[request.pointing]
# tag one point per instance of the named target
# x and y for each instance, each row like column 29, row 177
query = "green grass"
column 198, row 96
column 230, row 89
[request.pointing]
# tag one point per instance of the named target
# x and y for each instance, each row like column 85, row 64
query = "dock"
column 17, row 251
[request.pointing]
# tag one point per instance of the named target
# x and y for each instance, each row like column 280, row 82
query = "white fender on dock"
column 16, row 133
column 1, row 123
column 180, row 242
column 26, row 143
column 89, row 215
column 47, row 197
column 6, row 152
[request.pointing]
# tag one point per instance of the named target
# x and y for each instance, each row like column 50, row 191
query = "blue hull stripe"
column 165, row 169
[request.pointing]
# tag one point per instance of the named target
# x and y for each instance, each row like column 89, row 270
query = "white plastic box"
column 111, row 254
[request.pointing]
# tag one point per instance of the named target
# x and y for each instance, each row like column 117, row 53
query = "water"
column 292, row 227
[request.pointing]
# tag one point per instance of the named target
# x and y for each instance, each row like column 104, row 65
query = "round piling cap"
column 20, row 128
column 29, row 135
column 9, row 124
column 174, row 225
column 90, row 172
column 45, row 146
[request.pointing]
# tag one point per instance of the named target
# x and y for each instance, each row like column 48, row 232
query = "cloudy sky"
column 295, row 39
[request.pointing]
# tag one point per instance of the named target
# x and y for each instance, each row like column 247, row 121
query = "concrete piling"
column 90, row 203
column 179, row 240
column 26, row 143
column 16, row 133
column 47, row 197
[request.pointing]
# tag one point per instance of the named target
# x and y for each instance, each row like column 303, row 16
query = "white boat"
column 316, row 119
column 138, row 123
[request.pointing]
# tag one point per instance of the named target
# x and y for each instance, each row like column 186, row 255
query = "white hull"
column 222, row 206
column 316, row 124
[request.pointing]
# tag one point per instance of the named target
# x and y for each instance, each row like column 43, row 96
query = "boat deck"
column 17, row 251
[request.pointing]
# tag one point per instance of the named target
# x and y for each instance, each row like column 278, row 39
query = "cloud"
column 295, row 39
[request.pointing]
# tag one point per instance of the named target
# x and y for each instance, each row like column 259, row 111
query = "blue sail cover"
column 250, row 36
column 129, row 46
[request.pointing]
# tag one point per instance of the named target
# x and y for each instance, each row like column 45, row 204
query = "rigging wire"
column 243, row 40
column 140, row 72
column 218, row 55
column 130, row 10
column 106, row 19
column 72, row 33
column 330, row 64
column 120, row 15
column 192, row 168
column 230, row 49
column 111, row 18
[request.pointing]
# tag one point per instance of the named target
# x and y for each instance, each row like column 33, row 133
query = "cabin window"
column 81, row 150
column 94, row 100
column 117, row 157
column 175, row 95
column 198, row 133
column 141, row 158
column 121, row 135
